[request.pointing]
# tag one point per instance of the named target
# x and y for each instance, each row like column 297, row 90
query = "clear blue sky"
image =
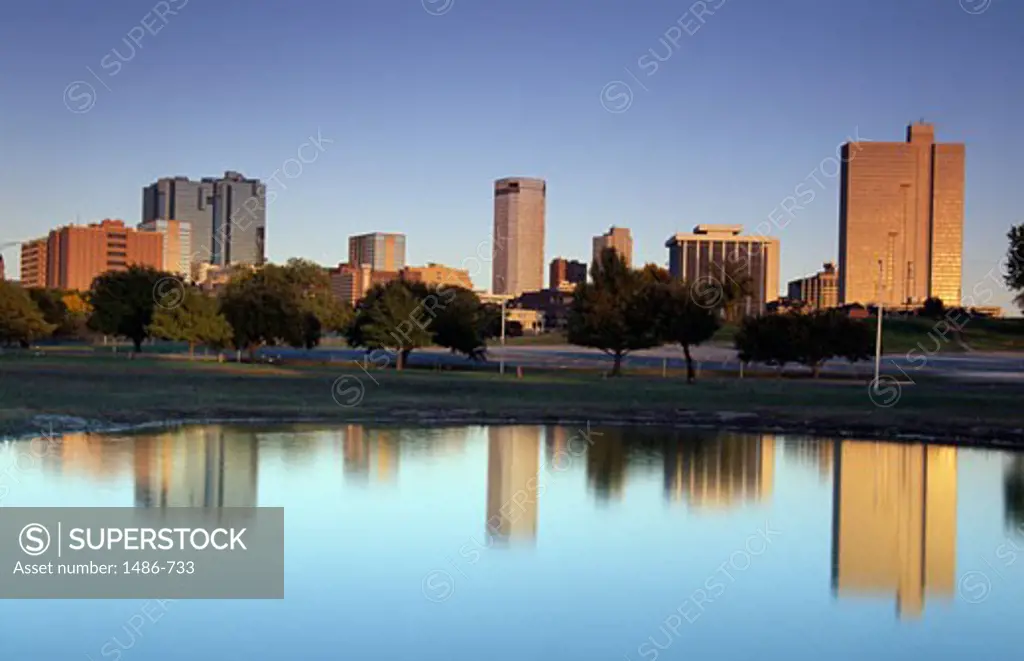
column 426, row 110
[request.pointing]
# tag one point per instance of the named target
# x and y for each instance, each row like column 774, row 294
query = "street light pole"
column 878, row 331
column 502, row 363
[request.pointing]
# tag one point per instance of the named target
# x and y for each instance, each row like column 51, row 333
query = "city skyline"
column 676, row 181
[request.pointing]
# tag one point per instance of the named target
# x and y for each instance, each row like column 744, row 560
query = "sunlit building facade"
column 518, row 249
column 618, row 239
column 901, row 217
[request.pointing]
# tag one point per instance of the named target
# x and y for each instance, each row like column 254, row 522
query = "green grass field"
column 112, row 389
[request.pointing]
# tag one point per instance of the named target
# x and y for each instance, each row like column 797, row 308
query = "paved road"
column 995, row 367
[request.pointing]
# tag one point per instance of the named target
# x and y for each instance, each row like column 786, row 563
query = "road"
column 994, row 367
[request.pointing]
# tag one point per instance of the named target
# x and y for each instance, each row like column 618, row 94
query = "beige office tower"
column 901, row 216
column 721, row 473
column 518, row 249
column 617, row 238
column 894, row 522
column 513, row 462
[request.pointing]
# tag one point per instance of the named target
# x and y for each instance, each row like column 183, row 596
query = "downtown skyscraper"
column 228, row 216
column 518, row 264
column 901, row 216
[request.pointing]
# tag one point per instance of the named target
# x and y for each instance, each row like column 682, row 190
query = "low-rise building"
column 349, row 283
column 531, row 321
column 554, row 304
column 564, row 272
column 816, row 292
column 211, row 278
column 437, row 274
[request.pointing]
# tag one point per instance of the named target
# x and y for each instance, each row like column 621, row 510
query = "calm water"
column 539, row 543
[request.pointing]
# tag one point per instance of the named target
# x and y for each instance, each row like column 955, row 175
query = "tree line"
column 274, row 305
column 621, row 310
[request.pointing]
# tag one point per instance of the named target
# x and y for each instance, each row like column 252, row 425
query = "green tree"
column 197, row 320
column 614, row 312
column 392, row 317
column 461, row 322
column 808, row 339
column 684, row 320
column 21, row 320
column 321, row 309
column 490, row 321
column 65, row 310
column 123, row 302
column 768, row 339
column 932, row 308
column 1014, row 276
column 264, row 307
column 729, row 287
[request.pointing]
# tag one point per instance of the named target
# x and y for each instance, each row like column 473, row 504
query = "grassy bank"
column 109, row 390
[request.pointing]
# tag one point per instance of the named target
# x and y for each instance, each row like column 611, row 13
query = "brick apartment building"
column 72, row 256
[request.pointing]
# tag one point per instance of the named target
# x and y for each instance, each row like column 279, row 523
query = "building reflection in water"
column 1013, row 495
column 367, row 451
column 100, row 457
column 607, row 461
column 814, row 452
column 720, row 471
column 556, row 445
column 197, row 467
column 894, row 522
column 513, row 463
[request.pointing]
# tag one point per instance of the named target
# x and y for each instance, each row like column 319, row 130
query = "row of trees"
column 622, row 310
column 274, row 305
column 289, row 305
column 34, row 314
column 619, row 311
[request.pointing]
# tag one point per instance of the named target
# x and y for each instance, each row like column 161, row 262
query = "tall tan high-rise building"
column 518, row 263
column 901, row 216
column 513, row 462
column 713, row 252
column 617, row 238
column 894, row 522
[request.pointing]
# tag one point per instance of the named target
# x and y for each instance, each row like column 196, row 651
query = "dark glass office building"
column 228, row 215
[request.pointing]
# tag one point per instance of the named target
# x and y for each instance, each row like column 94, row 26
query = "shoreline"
column 1000, row 437
column 102, row 395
